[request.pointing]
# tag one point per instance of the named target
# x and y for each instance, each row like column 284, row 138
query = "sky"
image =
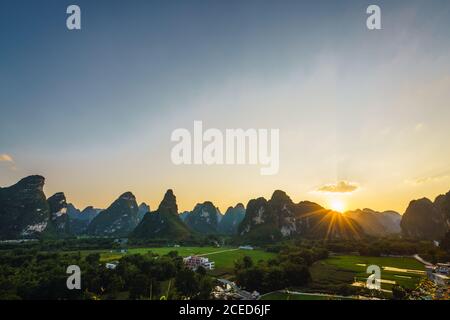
column 361, row 111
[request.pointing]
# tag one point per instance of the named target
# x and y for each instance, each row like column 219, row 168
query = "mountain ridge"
column 25, row 212
column 164, row 223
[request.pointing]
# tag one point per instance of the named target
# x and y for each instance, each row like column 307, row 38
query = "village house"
column 111, row 265
column 193, row 262
column 228, row 290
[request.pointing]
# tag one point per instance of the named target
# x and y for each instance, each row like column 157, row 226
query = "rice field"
column 347, row 269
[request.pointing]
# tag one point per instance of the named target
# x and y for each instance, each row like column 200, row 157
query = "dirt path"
column 207, row 254
column 418, row 258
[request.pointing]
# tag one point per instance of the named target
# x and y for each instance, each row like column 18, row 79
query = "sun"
column 337, row 205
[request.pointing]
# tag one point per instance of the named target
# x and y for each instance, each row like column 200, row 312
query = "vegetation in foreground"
column 35, row 275
column 37, row 270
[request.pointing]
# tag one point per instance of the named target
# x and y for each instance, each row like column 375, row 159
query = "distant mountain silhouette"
column 24, row 210
column 204, row 218
column 164, row 223
column 184, row 215
column 58, row 225
column 377, row 223
column 80, row 220
column 280, row 217
column 119, row 219
column 26, row 213
column 232, row 219
column 426, row 220
column 142, row 210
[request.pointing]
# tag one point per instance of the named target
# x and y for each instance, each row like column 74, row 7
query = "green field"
column 224, row 257
column 338, row 270
column 334, row 271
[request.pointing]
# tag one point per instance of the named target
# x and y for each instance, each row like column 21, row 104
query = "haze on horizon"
column 365, row 112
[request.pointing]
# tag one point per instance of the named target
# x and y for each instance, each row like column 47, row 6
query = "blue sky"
column 92, row 110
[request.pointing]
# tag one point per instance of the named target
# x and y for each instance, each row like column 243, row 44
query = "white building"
column 193, row 262
column 228, row 290
column 111, row 265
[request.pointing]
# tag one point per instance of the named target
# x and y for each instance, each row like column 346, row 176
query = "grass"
column 225, row 261
column 339, row 270
column 182, row 251
column 224, row 257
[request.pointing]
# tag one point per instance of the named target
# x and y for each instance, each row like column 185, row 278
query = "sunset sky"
column 366, row 112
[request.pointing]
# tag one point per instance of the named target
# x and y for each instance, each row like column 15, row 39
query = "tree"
column 247, row 262
column 113, row 283
column 275, row 279
column 251, row 279
column 186, row 283
column 93, row 259
column 445, row 243
column 140, row 287
column 205, row 287
column 398, row 292
column 201, row 271
column 296, row 274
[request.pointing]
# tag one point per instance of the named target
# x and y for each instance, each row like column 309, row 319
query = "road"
column 418, row 258
column 221, row 251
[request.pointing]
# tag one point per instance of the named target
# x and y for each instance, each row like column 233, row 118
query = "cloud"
column 340, row 187
column 428, row 179
column 419, row 127
column 6, row 158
